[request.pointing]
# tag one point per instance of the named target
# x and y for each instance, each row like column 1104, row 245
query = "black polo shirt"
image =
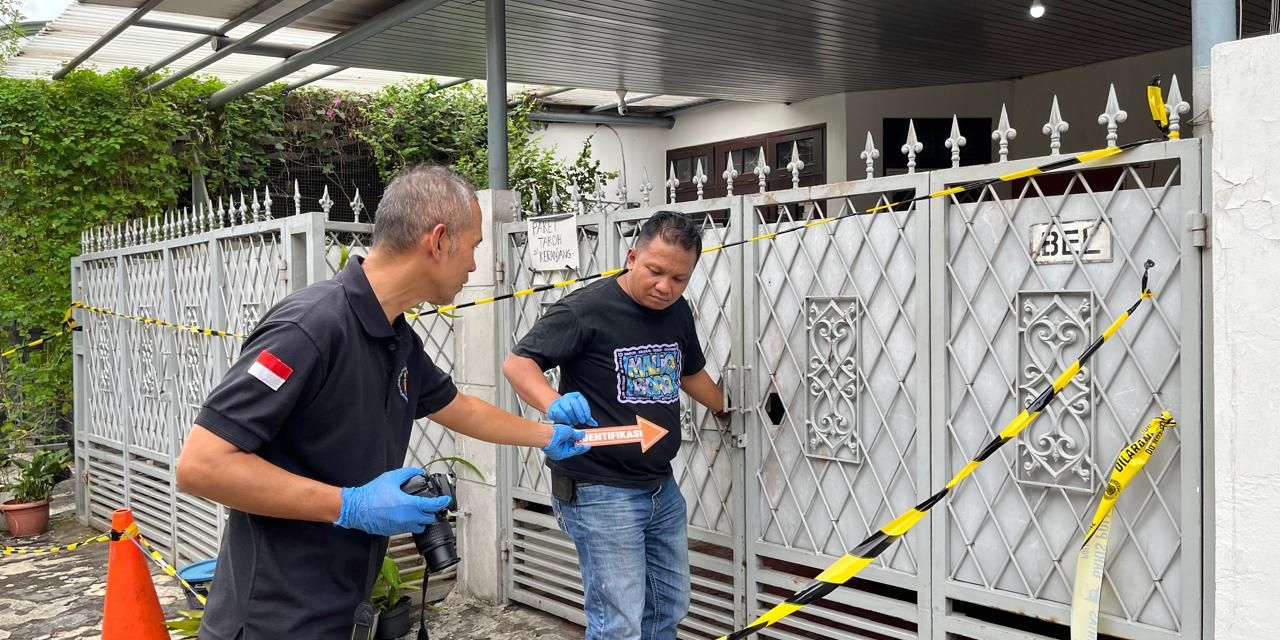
column 325, row 388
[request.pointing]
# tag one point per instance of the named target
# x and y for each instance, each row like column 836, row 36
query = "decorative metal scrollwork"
column 1057, row 450
column 832, row 378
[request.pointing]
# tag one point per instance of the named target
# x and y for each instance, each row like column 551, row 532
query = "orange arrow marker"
column 644, row 432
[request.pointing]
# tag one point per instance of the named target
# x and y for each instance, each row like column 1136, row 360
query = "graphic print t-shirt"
column 627, row 361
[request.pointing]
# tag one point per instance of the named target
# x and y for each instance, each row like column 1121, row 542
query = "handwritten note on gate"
column 553, row 243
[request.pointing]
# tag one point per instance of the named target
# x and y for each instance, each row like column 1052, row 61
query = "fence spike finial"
column 955, row 141
column 222, row 213
column 1176, row 107
column 157, row 227
column 575, row 199
column 555, row 199
column 1112, row 117
column 266, row 202
column 297, row 199
column 762, row 170
column 255, row 208
column 672, row 183
column 357, row 205
column 622, row 192
column 646, row 187
column 869, row 154
column 534, row 204
column 1004, row 133
column 730, row 173
column 211, row 219
column 1055, row 127
column 699, row 178
column 184, row 223
column 326, row 203
column 599, row 194
column 796, row 165
column 912, row 147
column 244, row 210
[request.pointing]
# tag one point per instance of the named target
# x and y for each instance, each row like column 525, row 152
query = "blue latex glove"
column 383, row 509
column 563, row 442
column 571, row 409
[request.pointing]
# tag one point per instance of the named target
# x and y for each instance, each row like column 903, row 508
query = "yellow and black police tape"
column 68, row 325
column 157, row 322
column 848, row 566
column 145, row 547
column 1070, row 161
column 23, row 551
column 1087, row 592
column 132, row 533
column 1155, row 102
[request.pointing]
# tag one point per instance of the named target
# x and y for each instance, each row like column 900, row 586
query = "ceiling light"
column 1037, row 9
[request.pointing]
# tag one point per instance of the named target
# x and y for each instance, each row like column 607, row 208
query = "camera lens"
column 436, row 545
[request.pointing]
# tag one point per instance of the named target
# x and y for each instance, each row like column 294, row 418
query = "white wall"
column 1082, row 97
column 728, row 120
column 868, row 109
column 1246, row 302
column 1081, row 91
column 644, row 148
column 647, row 147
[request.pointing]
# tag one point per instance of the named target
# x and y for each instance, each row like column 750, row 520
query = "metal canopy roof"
column 779, row 50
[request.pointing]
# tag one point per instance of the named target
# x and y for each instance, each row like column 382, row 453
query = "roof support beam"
column 453, row 83
column 541, row 95
column 377, row 24
column 269, row 50
column 273, row 26
column 627, row 101
column 244, row 16
column 496, row 78
column 601, row 118
column 175, row 26
column 110, row 35
column 313, row 77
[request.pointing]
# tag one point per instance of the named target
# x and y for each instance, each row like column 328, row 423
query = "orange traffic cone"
column 132, row 609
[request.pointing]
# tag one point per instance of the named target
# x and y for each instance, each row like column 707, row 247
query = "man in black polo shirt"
column 305, row 437
column 626, row 347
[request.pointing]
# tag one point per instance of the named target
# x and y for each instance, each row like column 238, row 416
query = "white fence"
column 139, row 385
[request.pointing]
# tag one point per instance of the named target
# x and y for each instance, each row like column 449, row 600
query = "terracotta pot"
column 26, row 518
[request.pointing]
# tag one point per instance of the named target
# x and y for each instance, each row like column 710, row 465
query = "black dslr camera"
column 436, row 542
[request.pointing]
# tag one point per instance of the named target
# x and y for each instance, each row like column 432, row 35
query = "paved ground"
column 59, row 596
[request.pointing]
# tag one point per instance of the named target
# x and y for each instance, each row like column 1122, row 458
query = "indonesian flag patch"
column 270, row 370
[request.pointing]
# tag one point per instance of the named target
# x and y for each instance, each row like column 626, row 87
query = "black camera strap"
column 422, row 612
column 365, row 620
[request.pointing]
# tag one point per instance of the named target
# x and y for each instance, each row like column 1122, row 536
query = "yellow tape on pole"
column 1092, row 560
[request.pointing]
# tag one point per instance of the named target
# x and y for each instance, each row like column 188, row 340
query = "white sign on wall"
column 553, row 243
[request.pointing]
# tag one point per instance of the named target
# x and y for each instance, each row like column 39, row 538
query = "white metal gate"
column 872, row 357
column 138, row 386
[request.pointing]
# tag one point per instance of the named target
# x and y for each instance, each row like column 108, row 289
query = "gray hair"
column 419, row 198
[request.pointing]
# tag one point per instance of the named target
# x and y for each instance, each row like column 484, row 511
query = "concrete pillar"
column 476, row 372
column 1246, row 259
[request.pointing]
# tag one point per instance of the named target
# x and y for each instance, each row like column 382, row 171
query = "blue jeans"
column 633, row 550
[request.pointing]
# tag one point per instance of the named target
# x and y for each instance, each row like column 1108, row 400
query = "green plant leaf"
column 454, row 459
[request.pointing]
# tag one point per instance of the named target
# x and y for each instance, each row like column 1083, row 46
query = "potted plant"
column 27, row 512
column 392, row 604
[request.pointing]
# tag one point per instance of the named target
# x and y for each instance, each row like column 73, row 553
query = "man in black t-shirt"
column 305, row 437
column 626, row 347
